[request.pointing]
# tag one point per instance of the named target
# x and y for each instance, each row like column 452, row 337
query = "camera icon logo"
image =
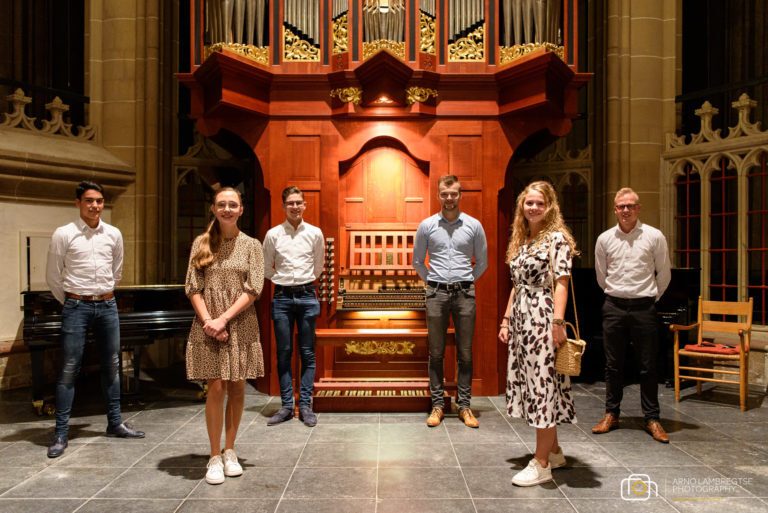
column 638, row 487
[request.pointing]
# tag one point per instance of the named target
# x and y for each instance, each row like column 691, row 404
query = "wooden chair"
column 710, row 347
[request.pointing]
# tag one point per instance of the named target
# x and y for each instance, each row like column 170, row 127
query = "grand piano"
column 147, row 313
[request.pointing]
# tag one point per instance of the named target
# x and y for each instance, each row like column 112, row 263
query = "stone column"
column 124, row 83
column 642, row 79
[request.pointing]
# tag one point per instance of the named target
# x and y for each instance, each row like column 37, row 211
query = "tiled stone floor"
column 384, row 463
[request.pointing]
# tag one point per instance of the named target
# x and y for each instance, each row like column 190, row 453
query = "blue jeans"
column 442, row 305
column 297, row 306
column 77, row 317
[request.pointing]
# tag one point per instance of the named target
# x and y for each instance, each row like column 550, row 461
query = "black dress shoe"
column 307, row 416
column 58, row 444
column 281, row 416
column 124, row 431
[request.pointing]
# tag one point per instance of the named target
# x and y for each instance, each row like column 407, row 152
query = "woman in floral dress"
column 539, row 256
column 224, row 278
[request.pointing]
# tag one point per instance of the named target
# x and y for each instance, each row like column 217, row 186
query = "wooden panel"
column 384, row 177
column 472, row 204
column 304, row 157
column 312, row 214
column 465, row 156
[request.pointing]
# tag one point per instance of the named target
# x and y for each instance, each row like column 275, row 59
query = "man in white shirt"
column 85, row 262
column 293, row 260
column 633, row 269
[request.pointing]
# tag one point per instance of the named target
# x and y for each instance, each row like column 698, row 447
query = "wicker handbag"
column 568, row 356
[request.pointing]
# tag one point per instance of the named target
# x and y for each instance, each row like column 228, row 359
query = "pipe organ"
column 363, row 105
column 236, row 21
column 315, row 30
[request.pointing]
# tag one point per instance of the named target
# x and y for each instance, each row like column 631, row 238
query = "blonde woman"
column 224, row 278
column 539, row 256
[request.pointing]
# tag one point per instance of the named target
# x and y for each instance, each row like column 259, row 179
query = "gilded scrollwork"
column 297, row 49
column 54, row 126
column 258, row 54
column 396, row 48
column 508, row 54
column 340, row 35
column 383, row 347
column 427, row 31
column 352, row 95
column 419, row 94
column 469, row 48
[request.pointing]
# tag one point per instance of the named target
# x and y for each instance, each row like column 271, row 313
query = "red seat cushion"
column 712, row 348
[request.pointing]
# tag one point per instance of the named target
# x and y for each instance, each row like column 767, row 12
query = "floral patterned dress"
column 535, row 392
column 238, row 268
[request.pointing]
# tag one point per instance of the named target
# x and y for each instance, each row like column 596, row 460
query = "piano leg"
column 38, row 383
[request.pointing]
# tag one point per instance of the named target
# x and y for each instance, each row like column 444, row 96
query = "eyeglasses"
column 628, row 206
column 222, row 205
column 93, row 201
column 293, row 203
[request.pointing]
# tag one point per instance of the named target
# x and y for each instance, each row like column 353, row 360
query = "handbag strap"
column 570, row 280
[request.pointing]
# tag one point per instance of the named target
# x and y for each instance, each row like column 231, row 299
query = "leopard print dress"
column 237, row 268
column 535, row 392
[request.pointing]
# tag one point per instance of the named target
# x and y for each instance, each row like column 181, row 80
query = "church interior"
column 364, row 105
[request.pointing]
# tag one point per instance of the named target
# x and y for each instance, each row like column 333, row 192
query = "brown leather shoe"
column 468, row 418
column 607, row 423
column 436, row 417
column 656, row 431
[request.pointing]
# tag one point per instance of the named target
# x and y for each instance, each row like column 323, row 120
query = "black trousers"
column 635, row 321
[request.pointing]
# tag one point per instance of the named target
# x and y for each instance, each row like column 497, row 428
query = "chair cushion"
column 712, row 348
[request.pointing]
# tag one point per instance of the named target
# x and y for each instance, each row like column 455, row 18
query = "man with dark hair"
column 293, row 260
column 633, row 269
column 452, row 238
column 85, row 262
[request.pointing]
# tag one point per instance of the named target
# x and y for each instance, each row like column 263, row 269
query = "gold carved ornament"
column 469, row 48
column 258, row 54
column 396, row 48
column 508, row 54
column 419, row 94
column 352, row 95
column 340, row 33
column 369, row 347
column 297, row 49
column 427, row 33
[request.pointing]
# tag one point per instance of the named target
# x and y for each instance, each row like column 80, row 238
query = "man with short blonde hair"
column 633, row 269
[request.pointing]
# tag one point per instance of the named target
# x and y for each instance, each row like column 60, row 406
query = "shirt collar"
column 637, row 227
column 443, row 219
column 82, row 227
column 289, row 227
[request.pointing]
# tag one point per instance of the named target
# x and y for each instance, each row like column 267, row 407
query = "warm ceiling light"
column 383, row 6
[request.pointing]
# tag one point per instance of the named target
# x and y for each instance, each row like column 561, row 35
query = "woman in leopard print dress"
column 225, row 277
column 533, row 327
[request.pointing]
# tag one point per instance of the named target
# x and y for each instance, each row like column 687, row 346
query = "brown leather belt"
column 102, row 297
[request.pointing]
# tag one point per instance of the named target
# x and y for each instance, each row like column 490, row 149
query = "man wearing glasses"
column 452, row 239
column 85, row 262
column 293, row 260
column 633, row 269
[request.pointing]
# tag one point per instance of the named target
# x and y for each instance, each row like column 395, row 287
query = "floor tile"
column 339, row 455
column 415, row 483
column 412, row 455
column 68, row 483
column 256, row 483
column 523, row 506
column 39, row 504
column 327, row 506
column 425, row 506
column 496, row 483
column 332, row 483
column 130, row 506
column 227, row 504
column 133, row 484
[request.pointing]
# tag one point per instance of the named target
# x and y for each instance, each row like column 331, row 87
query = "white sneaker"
column 557, row 459
column 533, row 474
column 232, row 467
column 215, row 474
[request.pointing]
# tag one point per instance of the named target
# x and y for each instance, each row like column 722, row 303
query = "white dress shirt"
column 84, row 260
column 293, row 256
column 632, row 265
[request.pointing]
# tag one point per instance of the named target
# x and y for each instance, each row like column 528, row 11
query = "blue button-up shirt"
column 451, row 246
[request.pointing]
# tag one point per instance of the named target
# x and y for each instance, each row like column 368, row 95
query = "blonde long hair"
column 553, row 221
column 210, row 240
